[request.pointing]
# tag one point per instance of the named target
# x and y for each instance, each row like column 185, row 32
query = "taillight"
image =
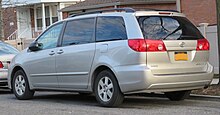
column 1, row 65
column 202, row 44
column 145, row 45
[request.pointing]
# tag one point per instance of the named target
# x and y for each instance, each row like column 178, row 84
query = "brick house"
column 199, row 12
column 25, row 19
column 90, row 5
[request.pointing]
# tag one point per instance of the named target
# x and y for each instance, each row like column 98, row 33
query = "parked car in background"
column 7, row 52
column 112, row 53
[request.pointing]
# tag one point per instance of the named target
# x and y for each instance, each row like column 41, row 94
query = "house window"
column 51, row 16
column 54, row 13
column 39, row 18
column 47, row 15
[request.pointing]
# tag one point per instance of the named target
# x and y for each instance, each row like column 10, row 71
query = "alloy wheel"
column 105, row 89
column 20, row 85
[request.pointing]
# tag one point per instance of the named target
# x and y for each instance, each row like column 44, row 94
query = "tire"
column 178, row 95
column 107, row 91
column 20, row 86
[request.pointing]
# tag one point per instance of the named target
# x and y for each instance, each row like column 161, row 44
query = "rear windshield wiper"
column 172, row 32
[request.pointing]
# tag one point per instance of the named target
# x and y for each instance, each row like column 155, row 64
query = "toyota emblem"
column 182, row 44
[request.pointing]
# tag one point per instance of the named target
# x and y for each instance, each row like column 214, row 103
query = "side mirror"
column 35, row 46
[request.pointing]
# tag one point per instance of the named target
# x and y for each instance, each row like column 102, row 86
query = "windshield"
column 7, row 49
column 168, row 28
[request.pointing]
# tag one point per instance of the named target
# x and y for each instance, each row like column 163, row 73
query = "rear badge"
column 182, row 44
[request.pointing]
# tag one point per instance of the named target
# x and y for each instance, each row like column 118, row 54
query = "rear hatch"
column 173, row 45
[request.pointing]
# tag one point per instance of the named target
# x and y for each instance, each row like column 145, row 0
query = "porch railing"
column 13, row 36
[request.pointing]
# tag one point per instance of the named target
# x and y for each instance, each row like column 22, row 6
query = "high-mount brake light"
column 164, row 13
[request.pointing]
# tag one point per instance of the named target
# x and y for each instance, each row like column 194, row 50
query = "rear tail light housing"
column 202, row 45
column 1, row 65
column 146, row 45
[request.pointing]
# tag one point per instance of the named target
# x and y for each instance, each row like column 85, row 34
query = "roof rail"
column 128, row 10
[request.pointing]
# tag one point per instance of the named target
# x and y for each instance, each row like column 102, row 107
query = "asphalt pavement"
column 64, row 103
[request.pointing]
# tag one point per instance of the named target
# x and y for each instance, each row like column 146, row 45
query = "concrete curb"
column 215, row 81
column 204, row 97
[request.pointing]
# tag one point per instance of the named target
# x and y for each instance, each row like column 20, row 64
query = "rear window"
column 7, row 49
column 168, row 28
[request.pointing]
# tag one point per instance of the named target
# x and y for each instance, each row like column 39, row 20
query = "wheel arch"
column 15, row 69
column 98, row 70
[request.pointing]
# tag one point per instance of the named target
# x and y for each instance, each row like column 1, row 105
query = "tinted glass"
column 110, row 28
column 7, row 49
column 50, row 37
column 78, row 32
column 168, row 28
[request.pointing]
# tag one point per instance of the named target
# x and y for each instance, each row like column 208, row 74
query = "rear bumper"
column 140, row 78
column 3, row 77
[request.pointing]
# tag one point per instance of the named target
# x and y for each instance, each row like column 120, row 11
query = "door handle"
column 60, row 52
column 52, row 53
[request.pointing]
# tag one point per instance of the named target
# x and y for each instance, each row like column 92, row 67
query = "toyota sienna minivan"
column 115, row 52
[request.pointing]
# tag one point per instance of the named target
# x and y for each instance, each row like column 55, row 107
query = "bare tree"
column 1, row 23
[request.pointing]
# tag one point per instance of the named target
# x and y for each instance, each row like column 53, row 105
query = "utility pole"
column 1, row 22
column 218, row 26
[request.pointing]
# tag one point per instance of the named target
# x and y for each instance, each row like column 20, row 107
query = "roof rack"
column 127, row 10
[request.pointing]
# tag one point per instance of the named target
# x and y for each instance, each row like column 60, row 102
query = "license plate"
column 181, row 56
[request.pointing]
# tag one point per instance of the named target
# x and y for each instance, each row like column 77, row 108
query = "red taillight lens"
column 145, row 45
column 1, row 65
column 138, row 45
column 155, row 46
column 202, row 44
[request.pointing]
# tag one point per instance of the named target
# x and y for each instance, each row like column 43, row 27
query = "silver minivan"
column 115, row 52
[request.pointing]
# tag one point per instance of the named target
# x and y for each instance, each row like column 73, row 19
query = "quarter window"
column 79, row 32
column 50, row 37
column 110, row 28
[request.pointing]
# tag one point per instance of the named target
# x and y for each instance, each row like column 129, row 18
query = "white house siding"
column 211, row 35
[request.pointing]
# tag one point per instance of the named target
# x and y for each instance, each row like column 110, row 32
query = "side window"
column 79, row 32
column 50, row 38
column 110, row 28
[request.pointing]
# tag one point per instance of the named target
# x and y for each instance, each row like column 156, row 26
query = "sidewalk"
column 207, row 97
column 204, row 97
